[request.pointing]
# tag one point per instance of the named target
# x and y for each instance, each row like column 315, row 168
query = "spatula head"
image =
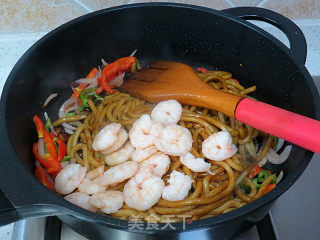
column 162, row 80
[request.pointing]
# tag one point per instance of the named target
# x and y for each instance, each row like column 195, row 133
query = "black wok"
column 194, row 35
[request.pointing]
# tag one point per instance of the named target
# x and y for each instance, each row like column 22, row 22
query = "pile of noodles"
column 211, row 194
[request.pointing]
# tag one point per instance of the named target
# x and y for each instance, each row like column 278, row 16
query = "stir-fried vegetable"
column 51, row 157
column 113, row 70
column 48, row 124
column 257, row 175
column 270, row 187
column 254, row 171
column 203, row 70
column 83, row 86
column 44, row 178
column 88, row 93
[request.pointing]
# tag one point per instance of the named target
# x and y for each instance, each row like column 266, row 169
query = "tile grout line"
column 263, row 2
column 230, row 3
column 82, row 6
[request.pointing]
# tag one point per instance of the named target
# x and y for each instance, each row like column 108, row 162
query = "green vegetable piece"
column 66, row 158
column 245, row 188
column 255, row 182
column 70, row 114
column 48, row 124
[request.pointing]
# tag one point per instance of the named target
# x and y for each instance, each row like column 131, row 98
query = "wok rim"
column 55, row 201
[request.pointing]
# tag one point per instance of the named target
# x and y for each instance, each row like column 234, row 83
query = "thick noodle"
column 211, row 194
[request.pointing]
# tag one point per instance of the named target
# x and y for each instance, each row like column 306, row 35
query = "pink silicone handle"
column 292, row 127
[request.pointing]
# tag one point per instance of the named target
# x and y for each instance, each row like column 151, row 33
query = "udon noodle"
column 212, row 193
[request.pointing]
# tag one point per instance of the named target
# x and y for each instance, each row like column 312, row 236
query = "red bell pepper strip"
column 55, row 166
column 110, row 71
column 203, row 70
column 37, row 156
column 49, row 144
column 254, row 171
column 62, row 149
column 46, row 136
column 235, row 80
column 83, row 86
column 43, row 178
column 39, row 125
column 99, row 90
column 52, row 165
column 269, row 188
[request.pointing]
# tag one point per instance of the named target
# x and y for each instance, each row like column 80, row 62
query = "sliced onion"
column 76, row 123
column 41, row 147
column 68, row 126
column 280, row 144
column 117, row 81
column 37, row 163
column 93, row 85
column 280, row 176
column 133, row 53
column 98, row 74
column 104, row 63
column 263, row 161
column 50, row 126
column 52, row 96
column 86, row 80
column 65, row 106
column 242, row 176
column 69, row 131
column 276, row 158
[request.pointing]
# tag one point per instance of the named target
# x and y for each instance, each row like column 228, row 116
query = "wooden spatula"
column 165, row 80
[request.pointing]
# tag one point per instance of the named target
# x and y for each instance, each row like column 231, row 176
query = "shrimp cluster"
column 139, row 158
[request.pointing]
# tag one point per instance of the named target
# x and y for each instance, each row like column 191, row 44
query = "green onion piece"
column 255, row 182
column 274, row 179
column 245, row 188
column 56, row 146
column 275, row 139
column 54, row 139
column 47, row 124
column 70, row 114
column 66, row 158
column 84, row 97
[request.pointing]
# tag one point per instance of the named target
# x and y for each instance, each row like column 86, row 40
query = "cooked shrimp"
column 90, row 187
column 106, row 137
column 158, row 163
column 143, row 190
column 93, row 174
column 69, row 178
column 119, row 156
column 174, row 140
column 109, row 201
column 122, row 138
column 118, row 174
column 141, row 154
column 82, row 200
column 218, row 146
column 179, row 187
column 144, row 131
column 195, row 164
column 167, row 112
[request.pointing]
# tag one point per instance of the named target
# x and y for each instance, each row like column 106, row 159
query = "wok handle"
column 10, row 213
column 290, row 126
column 298, row 44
